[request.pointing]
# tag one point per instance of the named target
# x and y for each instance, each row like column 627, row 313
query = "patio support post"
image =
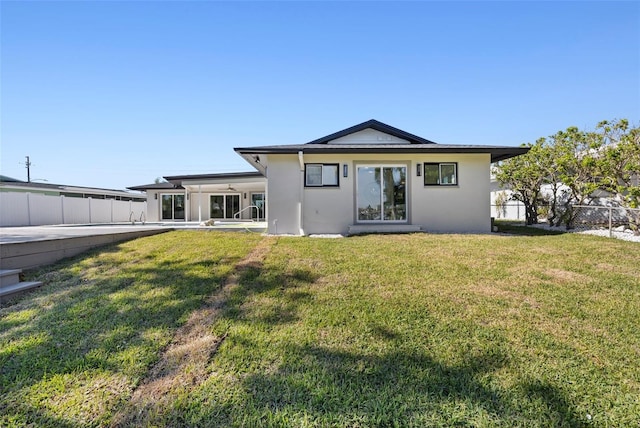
column 186, row 205
column 301, row 200
column 199, row 203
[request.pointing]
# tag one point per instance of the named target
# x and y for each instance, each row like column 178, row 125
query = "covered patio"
column 229, row 197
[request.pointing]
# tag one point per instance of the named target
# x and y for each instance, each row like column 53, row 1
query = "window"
column 440, row 174
column 321, row 175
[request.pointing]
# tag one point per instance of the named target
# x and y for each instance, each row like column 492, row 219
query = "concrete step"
column 7, row 291
column 9, row 276
column 10, row 284
column 357, row 229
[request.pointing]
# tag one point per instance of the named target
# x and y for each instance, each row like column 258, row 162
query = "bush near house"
column 215, row 329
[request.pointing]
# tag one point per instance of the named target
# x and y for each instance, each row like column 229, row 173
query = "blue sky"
column 115, row 94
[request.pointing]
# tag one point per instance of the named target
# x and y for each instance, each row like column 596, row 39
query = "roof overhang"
column 498, row 153
column 226, row 182
column 155, row 186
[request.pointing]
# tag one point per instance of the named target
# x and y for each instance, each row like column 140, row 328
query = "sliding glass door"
column 381, row 193
column 224, row 206
column 257, row 200
column 173, row 207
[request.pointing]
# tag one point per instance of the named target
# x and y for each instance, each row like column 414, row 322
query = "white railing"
column 236, row 216
column 132, row 218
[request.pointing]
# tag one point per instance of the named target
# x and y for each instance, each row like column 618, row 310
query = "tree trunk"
column 531, row 213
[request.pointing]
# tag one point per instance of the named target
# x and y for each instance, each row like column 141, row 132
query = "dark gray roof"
column 248, row 174
column 378, row 126
column 498, row 153
column 157, row 186
column 60, row 187
column 416, row 145
column 7, row 179
column 174, row 182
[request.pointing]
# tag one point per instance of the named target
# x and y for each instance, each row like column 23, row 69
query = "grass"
column 214, row 329
column 520, row 228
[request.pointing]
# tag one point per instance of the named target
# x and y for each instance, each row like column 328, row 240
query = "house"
column 8, row 184
column 370, row 177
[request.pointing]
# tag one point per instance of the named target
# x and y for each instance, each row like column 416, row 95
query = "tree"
column 576, row 165
column 524, row 176
column 619, row 165
column 548, row 156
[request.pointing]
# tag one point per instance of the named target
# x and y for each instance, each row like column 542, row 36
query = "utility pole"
column 28, row 165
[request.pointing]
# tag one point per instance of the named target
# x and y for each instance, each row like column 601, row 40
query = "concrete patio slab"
column 33, row 246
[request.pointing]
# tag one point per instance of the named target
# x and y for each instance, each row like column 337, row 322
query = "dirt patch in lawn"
column 184, row 362
column 565, row 276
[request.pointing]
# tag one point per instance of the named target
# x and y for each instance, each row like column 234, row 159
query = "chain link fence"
column 610, row 219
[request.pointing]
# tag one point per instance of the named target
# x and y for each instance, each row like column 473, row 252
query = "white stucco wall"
column 153, row 206
column 461, row 208
column 330, row 209
column 283, row 194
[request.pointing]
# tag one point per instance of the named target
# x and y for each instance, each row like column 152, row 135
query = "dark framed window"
column 441, row 174
column 321, row 175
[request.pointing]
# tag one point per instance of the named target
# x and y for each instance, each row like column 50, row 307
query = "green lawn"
column 214, row 329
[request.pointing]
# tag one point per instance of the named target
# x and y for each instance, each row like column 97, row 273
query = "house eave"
column 217, row 176
column 497, row 153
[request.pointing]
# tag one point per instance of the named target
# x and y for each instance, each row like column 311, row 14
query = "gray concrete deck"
column 33, row 246
column 46, row 233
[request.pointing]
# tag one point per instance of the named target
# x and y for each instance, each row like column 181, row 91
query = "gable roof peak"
column 376, row 125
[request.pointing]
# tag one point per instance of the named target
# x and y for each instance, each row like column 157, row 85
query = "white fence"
column 513, row 210
column 36, row 209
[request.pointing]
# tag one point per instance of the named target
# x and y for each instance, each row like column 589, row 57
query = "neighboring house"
column 505, row 207
column 370, row 177
column 8, row 184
